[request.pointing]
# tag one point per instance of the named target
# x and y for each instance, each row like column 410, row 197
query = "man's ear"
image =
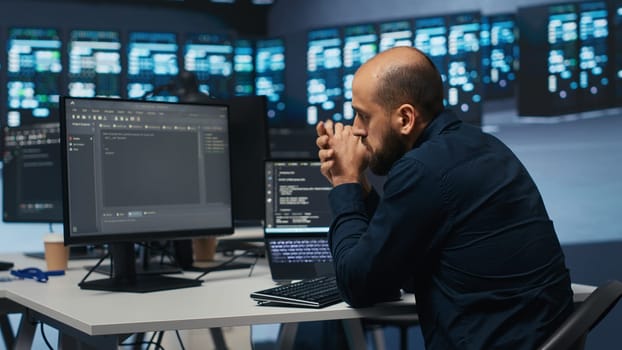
column 407, row 116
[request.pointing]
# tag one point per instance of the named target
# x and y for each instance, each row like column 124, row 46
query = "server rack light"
column 270, row 75
column 595, row 85
column 243, row 67
column 324, row 72
column 431, row 38
column 210, row 58
column 34, row 69
column 94, row 64
column 152, row 64
column 360, row 43
column 393, row 34
column 463, row 66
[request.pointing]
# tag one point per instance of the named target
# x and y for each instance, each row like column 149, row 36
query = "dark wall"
column 591, row 263
column 149, row 15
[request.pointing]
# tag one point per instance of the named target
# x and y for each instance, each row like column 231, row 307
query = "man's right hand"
column 326, row 155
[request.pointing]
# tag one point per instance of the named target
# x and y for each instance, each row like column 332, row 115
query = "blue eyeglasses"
column 36, row 274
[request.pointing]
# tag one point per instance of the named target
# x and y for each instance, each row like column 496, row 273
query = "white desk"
column 101, row 319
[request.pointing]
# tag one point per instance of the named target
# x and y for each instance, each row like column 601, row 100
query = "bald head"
column 404, row 75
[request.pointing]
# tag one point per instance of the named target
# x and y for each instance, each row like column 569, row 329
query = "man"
column 460, row 219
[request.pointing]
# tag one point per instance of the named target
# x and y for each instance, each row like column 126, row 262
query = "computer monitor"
column 143, row 170
column 31, row 174
column 248, row 132
column 298, row 218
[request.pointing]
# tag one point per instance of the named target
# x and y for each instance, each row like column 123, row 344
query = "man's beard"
column 392, row 149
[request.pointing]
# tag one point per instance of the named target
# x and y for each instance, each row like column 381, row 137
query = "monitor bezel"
column 139, row 236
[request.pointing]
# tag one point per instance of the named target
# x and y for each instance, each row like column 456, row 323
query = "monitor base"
column 140, row 284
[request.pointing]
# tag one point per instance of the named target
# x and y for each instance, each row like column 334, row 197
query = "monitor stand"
column 125, row 279
column 144, row 266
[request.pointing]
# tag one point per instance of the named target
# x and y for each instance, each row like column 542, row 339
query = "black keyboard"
column 314, row 292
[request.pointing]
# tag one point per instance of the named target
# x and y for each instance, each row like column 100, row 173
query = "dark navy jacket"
column 461, row 221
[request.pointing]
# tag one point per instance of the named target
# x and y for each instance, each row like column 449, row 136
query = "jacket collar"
column 440, row 123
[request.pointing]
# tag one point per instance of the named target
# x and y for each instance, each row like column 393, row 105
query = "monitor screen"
column 324, row 87
column 296, row 198
column 152, row 65
column 243, row 68
column 31, row 174
column 360, row 43
column 270, row 76
column 34, row 69
column 94, row 64
column 143, row 170
column 298, row 217
column 210, row 58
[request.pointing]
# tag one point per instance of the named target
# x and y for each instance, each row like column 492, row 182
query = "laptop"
column 297, row 220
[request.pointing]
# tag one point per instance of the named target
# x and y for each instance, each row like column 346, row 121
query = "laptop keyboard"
column 300, row 251
column 314, row 292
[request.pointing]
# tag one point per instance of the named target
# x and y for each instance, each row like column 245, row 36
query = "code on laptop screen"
column 296, row 197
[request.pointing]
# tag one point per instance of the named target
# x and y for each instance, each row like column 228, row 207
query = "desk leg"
column 287, row 336
column 218, row 339
column 354, row 333
column 25, row 333
column 7, row 332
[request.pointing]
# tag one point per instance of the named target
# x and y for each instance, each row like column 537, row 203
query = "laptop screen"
column 297, row 219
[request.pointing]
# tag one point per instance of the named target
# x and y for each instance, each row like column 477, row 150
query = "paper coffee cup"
column 204, row 249
column 56, row 254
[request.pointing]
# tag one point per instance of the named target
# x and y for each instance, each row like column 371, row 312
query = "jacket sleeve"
column 376, row 251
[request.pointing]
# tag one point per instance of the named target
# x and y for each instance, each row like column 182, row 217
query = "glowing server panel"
column 499, row 45
column 152, row 64
column 34, row 69
column 595, row 85
column 94, row 64
column 210, row 58
column 393, row 34
column 270, row 76
column 464, row 93
column 431, row 38
column 243, row 68
column 360, row 43
column 324, row 72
